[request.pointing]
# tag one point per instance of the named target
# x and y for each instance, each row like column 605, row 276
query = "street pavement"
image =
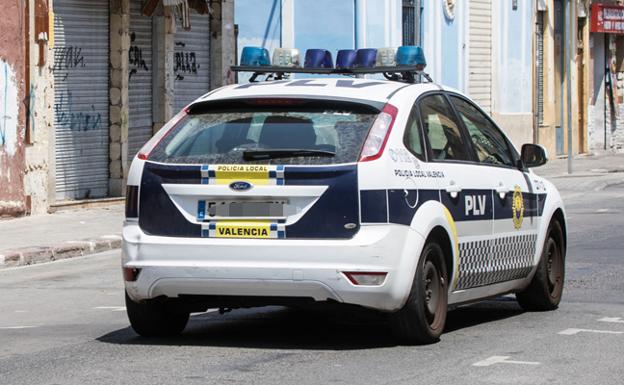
column 64, row 323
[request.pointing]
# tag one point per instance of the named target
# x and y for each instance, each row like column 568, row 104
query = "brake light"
column 130, row 274
column 378, row 134
column 132, row 201
column 161, row 134
column 366, row 278
column 274, row 102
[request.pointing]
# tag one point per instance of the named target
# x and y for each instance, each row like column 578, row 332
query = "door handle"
column 453, row 189
column 502, row 190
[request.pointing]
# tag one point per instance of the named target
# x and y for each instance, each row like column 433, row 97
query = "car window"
column 222, row 135
column 413, row 138
column 488, row 142
column 441, row 129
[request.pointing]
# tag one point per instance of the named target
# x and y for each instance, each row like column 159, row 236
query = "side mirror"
column 533, row 155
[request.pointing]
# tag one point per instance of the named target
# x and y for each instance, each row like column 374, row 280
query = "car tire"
column 152, row 318
column 545, row 290
column 422, row 318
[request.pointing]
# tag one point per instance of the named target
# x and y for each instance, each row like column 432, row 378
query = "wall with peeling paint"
column 12, row 199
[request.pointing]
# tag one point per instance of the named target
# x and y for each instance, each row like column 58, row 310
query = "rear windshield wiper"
column 284, row 153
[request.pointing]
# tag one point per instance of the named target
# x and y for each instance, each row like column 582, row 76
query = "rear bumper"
column 275, row 267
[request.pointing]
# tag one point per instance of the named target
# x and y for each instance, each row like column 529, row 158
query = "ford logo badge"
column 240, row 186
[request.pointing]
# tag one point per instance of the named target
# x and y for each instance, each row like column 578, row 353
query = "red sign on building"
column 607, row 18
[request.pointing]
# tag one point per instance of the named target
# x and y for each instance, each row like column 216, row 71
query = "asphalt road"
column 64, row 323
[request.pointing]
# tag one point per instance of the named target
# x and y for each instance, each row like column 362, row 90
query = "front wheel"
column 422, row 318
column 152, row 318
column 545, row 290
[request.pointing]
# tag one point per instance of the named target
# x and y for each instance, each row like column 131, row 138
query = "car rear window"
column 223, row 133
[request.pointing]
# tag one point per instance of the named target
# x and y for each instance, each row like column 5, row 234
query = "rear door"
column 515, row 204
column 462, row 191
column 258, row 168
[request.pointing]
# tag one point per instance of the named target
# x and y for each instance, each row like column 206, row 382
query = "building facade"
column 605, row 102
column 87, row 83
column 327, row 24
column 484, row 48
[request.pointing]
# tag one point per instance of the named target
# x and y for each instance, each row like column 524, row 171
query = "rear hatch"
column 257, row 168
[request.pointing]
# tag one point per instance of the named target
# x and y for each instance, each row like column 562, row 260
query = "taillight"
column 161, row 134
column 130, row 274
column 132, row 201
column 378, row 134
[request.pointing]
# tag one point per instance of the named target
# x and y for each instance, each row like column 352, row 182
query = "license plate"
column 240, row 209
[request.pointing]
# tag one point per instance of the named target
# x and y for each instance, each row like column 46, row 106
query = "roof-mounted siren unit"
column 286, row 57
column 406, row 63
column 318, row 58
column 255, row 57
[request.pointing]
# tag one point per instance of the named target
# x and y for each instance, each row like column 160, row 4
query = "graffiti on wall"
column 135, row 56
column 185, row 62
column 8, row 109
column 75, row 121
column 67, row 58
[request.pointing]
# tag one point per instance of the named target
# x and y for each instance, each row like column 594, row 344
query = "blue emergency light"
column 366, row 58
column 346, row 58
column 411, row 55
column 255, row 56
column 318, row 58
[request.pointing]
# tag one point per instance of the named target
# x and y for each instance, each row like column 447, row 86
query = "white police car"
column 393, row 195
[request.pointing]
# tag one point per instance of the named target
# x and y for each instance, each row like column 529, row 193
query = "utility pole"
column 570, row 55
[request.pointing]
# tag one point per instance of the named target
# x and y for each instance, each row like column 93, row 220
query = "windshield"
column 311, row 133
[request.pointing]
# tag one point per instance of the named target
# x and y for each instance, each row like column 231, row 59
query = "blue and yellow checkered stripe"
column 224, row 174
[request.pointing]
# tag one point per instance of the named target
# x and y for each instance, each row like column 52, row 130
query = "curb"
column 69, row 249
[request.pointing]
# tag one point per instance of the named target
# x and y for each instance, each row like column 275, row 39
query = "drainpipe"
column 417, row 22
column 571, row 47
column 355, row 24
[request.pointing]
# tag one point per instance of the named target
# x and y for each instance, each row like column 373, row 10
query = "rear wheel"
column 153, row 319
column 422, row 319
column 545, row 290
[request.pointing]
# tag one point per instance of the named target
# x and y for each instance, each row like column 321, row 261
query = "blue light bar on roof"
column 411, row 55
column 255, row 56
column 318, row 58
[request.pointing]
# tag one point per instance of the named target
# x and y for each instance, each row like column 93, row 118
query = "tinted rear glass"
column 221, row 134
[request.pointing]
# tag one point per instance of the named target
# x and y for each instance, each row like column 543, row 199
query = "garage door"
column 480, row 81
column 140, row 82
column 81, row 98
column 192, row 60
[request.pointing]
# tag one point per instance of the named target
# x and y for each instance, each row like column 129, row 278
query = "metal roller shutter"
column 140, row 82
column 192, row 60
column 81, row 104
column 480, row 82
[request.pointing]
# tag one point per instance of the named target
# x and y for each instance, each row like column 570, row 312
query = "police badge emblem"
column 517, row 207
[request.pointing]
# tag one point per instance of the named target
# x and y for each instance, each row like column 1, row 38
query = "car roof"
column 339, row 88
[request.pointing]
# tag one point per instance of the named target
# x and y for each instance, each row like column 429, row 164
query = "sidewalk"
column 79, row 232
column 589, row 172
column 65, row 234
